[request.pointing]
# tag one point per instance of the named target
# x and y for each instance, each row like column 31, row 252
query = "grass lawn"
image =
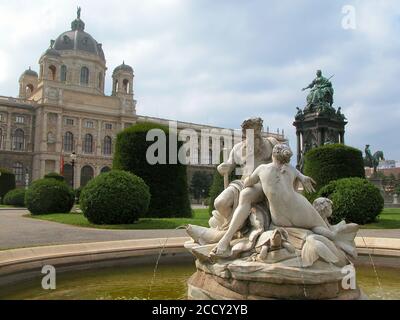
column 200, row 217
column 388, row 219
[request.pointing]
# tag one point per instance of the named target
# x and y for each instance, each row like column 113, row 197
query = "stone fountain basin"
column 19, row 265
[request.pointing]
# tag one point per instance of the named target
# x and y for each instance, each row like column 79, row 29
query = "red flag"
column 62, row 165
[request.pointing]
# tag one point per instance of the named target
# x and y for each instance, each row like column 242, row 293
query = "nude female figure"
column 254, row 192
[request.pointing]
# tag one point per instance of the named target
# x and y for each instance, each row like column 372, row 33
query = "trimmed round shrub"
column 354, row 200
column 115, row 197
column 7, row 182
column 15, row 197
column 54, row 175
column 49, row 196
column 331, row 162
column 167, row 182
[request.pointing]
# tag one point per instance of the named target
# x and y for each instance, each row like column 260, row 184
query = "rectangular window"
column 19, row 119
column 89, row 124
column 69, row 122
column 1, row 117
column 108, row 126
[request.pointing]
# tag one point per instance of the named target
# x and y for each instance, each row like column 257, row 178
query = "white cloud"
column 219, row 62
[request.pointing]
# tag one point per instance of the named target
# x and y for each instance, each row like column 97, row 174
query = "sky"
column 219, row 62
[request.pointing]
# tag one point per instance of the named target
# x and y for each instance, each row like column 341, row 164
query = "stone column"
column 59, row 139
column 8, row 140
column 79, row 140
column 42, row 168
column 57, row 168
column 44, row 132
column 98, row 147
column 77, row 175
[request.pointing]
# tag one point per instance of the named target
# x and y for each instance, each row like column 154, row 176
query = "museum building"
column 64, row 109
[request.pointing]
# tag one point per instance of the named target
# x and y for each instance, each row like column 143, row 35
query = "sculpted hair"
column 323, row 206
column 252, row 123
column 282, row 153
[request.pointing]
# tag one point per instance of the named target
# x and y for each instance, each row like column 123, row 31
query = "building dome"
column 123, row 67
column 79, row 40
column 52, row 52
column 30, row 72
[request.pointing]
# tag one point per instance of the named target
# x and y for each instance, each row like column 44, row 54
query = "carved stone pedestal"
column 241, row 280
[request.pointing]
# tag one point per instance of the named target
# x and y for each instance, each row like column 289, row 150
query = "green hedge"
column 15, row 197
column 115, row 197
column 167, row 182
column 77, row 193
column 49, row 196
column 7, row 182
column 354, row 200
column 331, row 162
column 216, row 188
column 54, row 175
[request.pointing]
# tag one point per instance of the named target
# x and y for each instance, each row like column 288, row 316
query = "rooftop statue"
column 78, row 12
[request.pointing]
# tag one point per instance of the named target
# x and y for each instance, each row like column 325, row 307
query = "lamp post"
column 26, row 178
column 73, row 159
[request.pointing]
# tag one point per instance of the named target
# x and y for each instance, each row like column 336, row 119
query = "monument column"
column 341, row 135
column 298, row 146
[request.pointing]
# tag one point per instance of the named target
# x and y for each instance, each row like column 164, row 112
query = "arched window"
column 100, row 80
column 107, row 145
column 105, row 169
column 116, row 86
column 87, row 173
column 126, row 85
column 19, row 140
column 52, row 72
column 68, row 174
column 29, row 89
column 88, row 143
column 18, row 171
column 68, row 142
column 84, row 75
column 63, row 74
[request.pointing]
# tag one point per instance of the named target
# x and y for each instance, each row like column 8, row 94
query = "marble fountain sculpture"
column 265, row 240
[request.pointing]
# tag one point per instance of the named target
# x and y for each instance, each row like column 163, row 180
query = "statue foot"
column 221, row 251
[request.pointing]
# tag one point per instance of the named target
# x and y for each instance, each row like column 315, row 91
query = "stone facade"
column 63, row 109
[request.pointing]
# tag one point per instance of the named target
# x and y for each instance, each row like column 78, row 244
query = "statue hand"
column 224, row 168
column 307, row 183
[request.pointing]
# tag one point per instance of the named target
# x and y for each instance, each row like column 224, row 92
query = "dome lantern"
column 78, row 24
column 123, row 80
